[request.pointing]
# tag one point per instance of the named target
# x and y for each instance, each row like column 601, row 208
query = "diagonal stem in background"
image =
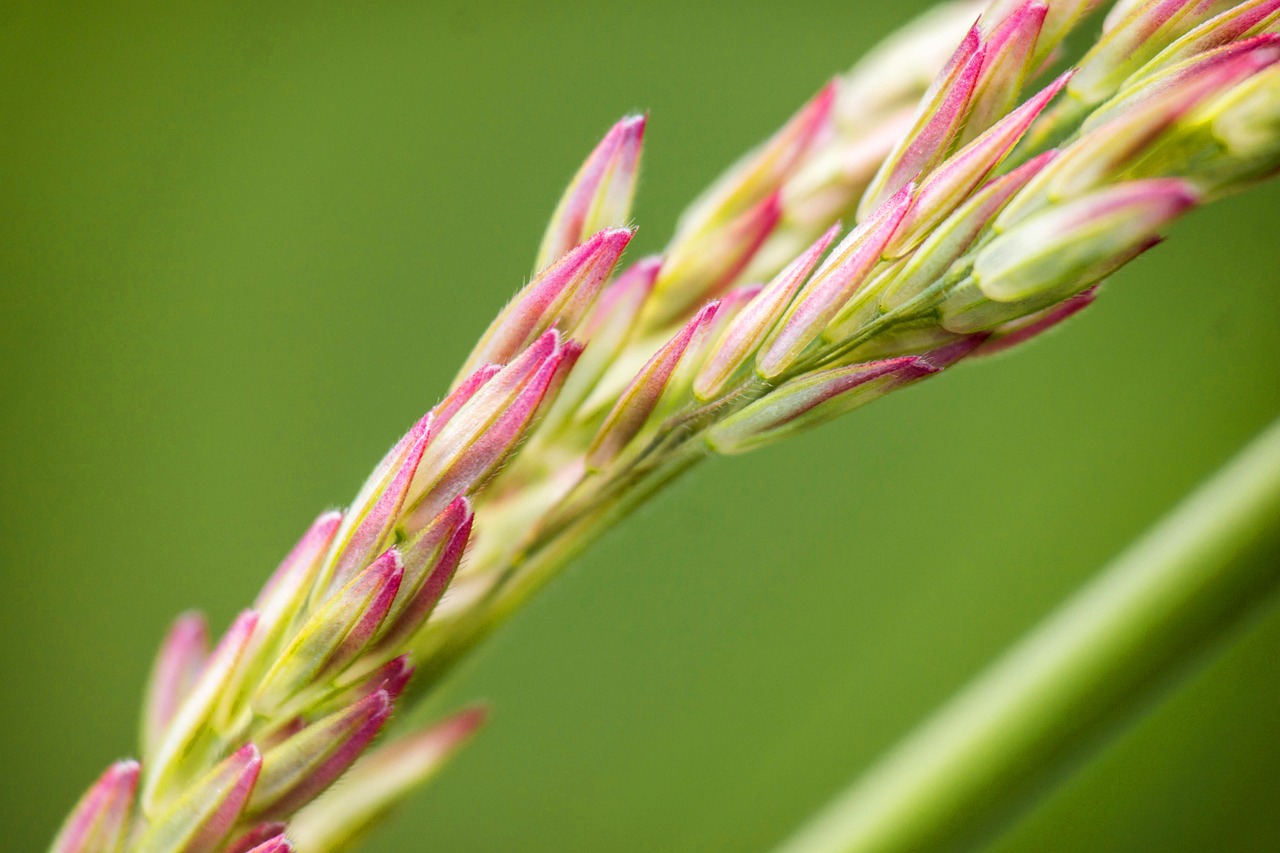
column 1181, row 589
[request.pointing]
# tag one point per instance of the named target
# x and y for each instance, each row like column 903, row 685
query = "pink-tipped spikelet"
column 600, row 195
column 268, row 836
column 100, row 821
column 748, row 329
column 640, row 398
column 834, row 283
column 208, row 810
column 939, row 119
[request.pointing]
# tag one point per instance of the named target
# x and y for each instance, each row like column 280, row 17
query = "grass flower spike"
column 979, row 216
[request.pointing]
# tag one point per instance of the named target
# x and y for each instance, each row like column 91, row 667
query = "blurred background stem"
column 1181, row 589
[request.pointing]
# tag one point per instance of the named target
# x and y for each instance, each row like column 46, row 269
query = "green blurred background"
column 244, row 245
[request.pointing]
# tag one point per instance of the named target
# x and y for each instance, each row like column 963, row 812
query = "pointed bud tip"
column 279, row 844
column 124, row 768
column 188, row 636
column 266, row 837
column 1171, row 196
column 243, row 626
column 918, row 368
column 328, row 519
column 618, row 237
column 945, row 356
column 464, row 723
column 632, row 126
column 459, row 508
column 1048, row 93
column 248, row 755
column 1036, row 163
column 545, row 344
column 377, row 705
column 705, row 313
column 388, row 563
column 1032, row 9
column 399, row 671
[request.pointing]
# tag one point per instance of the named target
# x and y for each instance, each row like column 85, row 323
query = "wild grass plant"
column 965, row 188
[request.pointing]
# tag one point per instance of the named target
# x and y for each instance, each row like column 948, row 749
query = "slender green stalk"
column 1181, row 588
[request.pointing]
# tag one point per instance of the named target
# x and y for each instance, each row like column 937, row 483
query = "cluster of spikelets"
column 982, row 219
